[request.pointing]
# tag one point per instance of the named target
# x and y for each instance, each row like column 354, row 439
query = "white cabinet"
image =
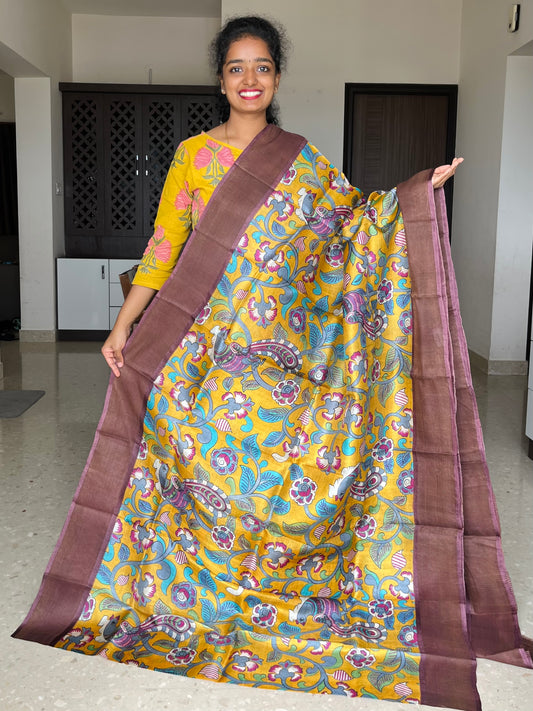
column 116, row 297
column 89, row 295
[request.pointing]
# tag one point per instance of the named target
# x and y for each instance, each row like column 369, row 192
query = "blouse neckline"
column 222, row 143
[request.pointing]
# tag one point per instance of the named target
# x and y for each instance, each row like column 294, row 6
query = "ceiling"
column 145, row 8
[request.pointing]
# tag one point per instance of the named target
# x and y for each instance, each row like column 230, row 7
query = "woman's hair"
column 249, row 26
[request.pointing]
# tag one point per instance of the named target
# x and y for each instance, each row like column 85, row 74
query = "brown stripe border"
column 447, row 664
column 459, row 570
column 78, row 554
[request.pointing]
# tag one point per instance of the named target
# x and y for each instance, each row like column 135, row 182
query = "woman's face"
column 249, row 77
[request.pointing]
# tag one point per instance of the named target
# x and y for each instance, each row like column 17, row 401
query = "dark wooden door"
column 392, row 131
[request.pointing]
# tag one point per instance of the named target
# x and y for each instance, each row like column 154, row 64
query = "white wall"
column 7, row 98
column 35, row 48
column 480, row 266
column 412, row 41
column 514, row 231
column 36, row 223
column 122, row 49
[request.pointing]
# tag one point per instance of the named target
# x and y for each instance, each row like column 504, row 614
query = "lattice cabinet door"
column 123, row 165
column 161, row 135
column 84, row 168
column 198, row 113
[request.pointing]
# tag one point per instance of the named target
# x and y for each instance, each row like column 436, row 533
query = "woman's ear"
column 222, row 90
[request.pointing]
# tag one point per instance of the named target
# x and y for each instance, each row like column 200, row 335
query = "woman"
column 259, row 524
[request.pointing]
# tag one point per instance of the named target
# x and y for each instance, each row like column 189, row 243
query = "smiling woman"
column 287, row 487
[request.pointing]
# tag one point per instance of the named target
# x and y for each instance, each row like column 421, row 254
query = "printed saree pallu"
column 287, row 487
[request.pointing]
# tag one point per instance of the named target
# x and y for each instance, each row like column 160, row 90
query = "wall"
column 7, row 98
column 122, row 49
column 413, row 41
column 37, row 31
column 514, row 230
column 36, row 222
column 483, row 268
column 35, row 48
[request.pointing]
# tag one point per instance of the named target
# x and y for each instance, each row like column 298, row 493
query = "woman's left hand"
column 443, row 172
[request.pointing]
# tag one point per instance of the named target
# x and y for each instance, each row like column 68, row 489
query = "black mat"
column 14, row 402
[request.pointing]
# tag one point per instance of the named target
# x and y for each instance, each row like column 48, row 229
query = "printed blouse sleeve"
column 172, row 225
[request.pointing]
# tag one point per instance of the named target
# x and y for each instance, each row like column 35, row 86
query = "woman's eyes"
column 263, row 68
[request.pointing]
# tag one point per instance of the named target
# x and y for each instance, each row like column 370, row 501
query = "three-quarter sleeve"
column 172, row 226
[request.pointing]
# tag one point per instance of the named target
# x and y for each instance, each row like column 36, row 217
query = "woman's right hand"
column 136, row 301
column 113, row 347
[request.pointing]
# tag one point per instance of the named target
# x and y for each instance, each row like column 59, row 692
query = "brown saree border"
column 447, row 663
column 78, row 553
column 463, row 610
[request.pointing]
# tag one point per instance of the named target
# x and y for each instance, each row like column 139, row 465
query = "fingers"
column 444, row 172
column 114, row 359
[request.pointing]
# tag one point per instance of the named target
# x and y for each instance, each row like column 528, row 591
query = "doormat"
column 14, row 402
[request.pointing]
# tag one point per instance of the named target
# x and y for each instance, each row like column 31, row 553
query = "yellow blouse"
column 198, row 166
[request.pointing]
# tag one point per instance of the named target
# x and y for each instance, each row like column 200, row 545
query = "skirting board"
column 497, row 367
column 28, row 336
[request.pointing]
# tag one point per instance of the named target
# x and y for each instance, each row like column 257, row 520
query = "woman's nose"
column 249, row 76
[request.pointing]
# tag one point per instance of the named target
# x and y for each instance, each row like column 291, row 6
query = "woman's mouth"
column 250, row 94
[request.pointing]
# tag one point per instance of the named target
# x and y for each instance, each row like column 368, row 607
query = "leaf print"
column 229, row 609
column 208, row 611
column 217, row 557
column 247, row 480
column 273, row 439
column 279, row 505
column 268, row 480
column 104, row 575
column 380, row 680
column 204, row 577
column 385, row 390
column 250, row 446
column 274, row 414
column 380, row 551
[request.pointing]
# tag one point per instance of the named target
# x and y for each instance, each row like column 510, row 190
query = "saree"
column 287, row 487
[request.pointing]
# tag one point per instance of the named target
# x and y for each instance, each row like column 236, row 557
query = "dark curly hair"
column 248, row 26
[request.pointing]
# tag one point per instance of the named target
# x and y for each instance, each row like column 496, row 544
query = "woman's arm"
column 136, row 301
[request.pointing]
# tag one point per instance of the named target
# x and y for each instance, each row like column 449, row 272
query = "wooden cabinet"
column 89, row 295
column 119, row 141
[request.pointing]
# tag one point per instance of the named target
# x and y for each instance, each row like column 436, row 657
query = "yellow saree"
column 274, row 496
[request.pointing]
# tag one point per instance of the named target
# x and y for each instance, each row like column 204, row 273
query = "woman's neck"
column 240, row 131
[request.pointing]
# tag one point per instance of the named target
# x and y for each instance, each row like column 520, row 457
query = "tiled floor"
column 42, row 454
